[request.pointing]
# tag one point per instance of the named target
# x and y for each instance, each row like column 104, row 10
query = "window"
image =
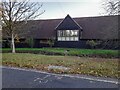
column 68, row 35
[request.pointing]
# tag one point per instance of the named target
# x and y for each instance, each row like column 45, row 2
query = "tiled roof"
column 101, row 27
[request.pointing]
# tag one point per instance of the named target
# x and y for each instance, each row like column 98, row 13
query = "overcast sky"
column 75, row 8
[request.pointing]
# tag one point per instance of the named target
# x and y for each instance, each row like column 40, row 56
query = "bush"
column 30, row 41
column 92, row 43
column 51, row 42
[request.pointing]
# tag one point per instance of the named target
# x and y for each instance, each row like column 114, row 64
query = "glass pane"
column 71, row 38
column 61, row 34
column 67, row 38
column 71, row 32
column 76, row 38
column 63, row 38
column 59, row 38
column 67, row 32
column 75, row 32
column 58, row 33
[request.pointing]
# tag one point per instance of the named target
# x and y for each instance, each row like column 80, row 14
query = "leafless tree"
column 0, row 25
column 14, row 12
column 111, row 7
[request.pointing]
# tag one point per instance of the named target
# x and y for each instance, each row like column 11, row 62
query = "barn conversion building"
column 69, row 32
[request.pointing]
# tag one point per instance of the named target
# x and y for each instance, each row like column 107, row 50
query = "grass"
column 78, row 65
column 72, row 51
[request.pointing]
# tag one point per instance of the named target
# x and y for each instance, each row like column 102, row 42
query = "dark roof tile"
column 102, row 27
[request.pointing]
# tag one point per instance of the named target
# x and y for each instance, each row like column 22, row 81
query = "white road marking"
column 43, row 79
column 59, row 77
column 65, row 75
column 36, row 79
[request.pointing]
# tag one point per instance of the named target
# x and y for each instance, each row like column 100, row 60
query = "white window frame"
column 62, row 37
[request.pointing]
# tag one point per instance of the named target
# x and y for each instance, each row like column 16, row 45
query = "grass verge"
column 78, row 65
column 71, row 52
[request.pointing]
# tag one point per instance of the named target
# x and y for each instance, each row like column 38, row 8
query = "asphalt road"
column 23, row 78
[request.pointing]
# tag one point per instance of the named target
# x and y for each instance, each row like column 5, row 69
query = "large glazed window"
column 68, row 35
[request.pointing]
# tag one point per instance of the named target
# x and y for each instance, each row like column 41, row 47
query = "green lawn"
column 72, row 51
column 78, row 65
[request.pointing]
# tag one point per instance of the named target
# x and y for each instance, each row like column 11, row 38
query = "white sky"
column 75, row 8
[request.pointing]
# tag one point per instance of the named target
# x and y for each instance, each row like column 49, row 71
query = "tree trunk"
column 13, row 44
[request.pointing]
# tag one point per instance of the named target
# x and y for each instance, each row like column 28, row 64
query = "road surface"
column 25, row 78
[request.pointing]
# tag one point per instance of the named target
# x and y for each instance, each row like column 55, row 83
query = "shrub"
column 92, row 43
column 30, row 42
column 51, row 42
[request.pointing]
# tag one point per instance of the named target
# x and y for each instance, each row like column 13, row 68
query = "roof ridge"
column 75, row 18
